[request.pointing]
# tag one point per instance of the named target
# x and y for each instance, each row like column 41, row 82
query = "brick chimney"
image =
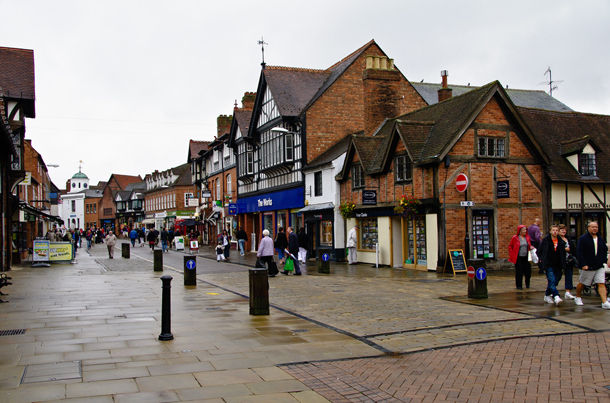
column 381, row 83
column 247, row 101
column 223, row 124
column 444, row 92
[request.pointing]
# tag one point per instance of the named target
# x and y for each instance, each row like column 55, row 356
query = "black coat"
column 293, row 244
column 549, row 257
column 280, row 241
column 585, row 252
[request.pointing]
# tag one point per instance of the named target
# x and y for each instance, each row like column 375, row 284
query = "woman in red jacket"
column 518, row 250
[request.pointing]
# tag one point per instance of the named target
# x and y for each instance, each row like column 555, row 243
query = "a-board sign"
column 455, row 262
column 194, row 245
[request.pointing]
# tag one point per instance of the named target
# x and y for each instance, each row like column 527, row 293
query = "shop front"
column 319, row 222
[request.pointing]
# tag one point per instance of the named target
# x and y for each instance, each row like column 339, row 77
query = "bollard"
column 125, row 250
column 158, row 260
column 190, row 270
column 477, row 287
column 259, row 292
column 323, row 261
column 166, row 310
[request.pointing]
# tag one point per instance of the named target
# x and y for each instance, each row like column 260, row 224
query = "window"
column 229, row 188
column 317, row 183
column 368, row 233
column 87, row 208
column 326, row 233
column 402, row 168
column 586, row 164
column 491, row 147
column 73, row 206
column 85, row 185
column 289, row 146
column 94, row 208
column 357, row 178
column 218, row 192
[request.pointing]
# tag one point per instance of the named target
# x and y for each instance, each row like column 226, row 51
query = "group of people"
column 290, row 248
column 558, row 256
column 223, row 246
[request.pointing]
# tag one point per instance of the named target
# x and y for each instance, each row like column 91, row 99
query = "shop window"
column 357, row 177
column 417, row 253
column 402, row 168
column 326, row 233
column 482, row 237
column 317, row 183
column 491, row 147
column 586, row 164
column 368, row 233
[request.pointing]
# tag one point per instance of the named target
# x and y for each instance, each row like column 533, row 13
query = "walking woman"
column 570, row 262
column 518, row 250
column 281, row 243
column 552, row 258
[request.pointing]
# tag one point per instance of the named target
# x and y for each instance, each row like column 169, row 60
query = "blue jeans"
column 568, row 275
column 551, row 288
column 280, row 253
column 133, row 242
column 242, row 245
column 164, row 245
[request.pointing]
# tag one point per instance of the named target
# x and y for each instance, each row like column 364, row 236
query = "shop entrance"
column 417, row 255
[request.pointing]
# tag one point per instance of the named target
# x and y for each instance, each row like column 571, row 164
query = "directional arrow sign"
column 191, row 264
column 481, row 273
column 325, row 257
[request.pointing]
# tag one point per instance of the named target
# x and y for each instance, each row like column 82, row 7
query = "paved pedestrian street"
column 89, row 331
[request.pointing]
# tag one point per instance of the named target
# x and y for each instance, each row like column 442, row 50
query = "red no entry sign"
column 461, row 182
column 470, row 271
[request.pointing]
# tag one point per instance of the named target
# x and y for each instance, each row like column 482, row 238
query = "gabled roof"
column 17, row 76
column 446, row 121
column 564, row 133
column 293, row 88
column 184, row 175
column 123, row 180
column 136, row 186
column 123, row 194
column 195, row 147
column 241, row 120
column 524, row 98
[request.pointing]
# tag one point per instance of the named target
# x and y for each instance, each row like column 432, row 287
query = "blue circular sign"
column 191, row 264
column 481, row 273
column 325, row 257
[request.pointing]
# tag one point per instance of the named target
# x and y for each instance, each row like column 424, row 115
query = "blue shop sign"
column 282, row 200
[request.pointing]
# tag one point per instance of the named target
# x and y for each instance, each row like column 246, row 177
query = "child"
column 220, row 251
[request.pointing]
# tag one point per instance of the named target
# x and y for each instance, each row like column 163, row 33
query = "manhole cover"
column 57, row 371
column 12, row 332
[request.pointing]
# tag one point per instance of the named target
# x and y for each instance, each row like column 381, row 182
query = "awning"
column 148, row 221
column 40, row 213
column 316, row 207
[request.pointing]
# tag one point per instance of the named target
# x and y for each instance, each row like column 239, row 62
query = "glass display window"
column 482, row 234
column 368, row 233
column 416, row 241
column 326, row 233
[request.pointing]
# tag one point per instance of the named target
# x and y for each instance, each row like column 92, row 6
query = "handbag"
column 289, row 266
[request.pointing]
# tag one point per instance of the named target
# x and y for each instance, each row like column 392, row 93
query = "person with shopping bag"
column 519, row 248
column 291, row 253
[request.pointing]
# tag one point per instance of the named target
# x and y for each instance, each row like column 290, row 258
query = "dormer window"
column 357, row 177
column 586, row 164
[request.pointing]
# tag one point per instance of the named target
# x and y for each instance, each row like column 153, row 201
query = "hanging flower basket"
column 408, row 206
column 347, row 209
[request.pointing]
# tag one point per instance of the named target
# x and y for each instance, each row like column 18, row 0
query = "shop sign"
column 232, row 208
column 161, row 215
column 369, row 197
column 40, row 249
column 502, row 189
column 282, row 200
column 587, row 206
column 60, row 251
column 27, row 180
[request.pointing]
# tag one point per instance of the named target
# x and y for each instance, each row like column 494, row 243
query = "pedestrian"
column 110, row 242
column 170, row 237
column 535, row 238
column 592, row 253
column 152, row 238
column 220, row 251
column 226, row 242
column 164, row 240
column 280, row 243
column 293, row 251
column 133, row 234
column 242, row 237
column 76, row 238
column 89, row 238
column 552, row 258
column 141, row 237
column 570, row 262
column 352, row 244
column 265, row 253
column 518, row 251
column 303, row 242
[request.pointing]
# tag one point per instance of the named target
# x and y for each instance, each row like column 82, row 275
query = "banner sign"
column 179, row 241
column 60, row 251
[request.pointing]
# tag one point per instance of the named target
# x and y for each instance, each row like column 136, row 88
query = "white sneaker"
column 569, row 296
column 548, row 299
column 557, row 300
column 606, row 305
column 578, row 301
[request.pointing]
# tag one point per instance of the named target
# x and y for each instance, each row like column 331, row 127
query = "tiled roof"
column 242, row 117
column 562, row 133
column 17, row 73
column 195, row 147
column 184, row 175
column 136, row 186
column 293, row 88
column 524, row 98
column 124, row 180
column 368, row 147
column 124, row 194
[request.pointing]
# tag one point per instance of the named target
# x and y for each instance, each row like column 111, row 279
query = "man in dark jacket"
column 592, row 253
column 293, row 248
column 242, row 237
column 552, row 255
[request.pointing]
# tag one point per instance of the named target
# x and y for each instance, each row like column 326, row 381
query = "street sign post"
column 481, row 273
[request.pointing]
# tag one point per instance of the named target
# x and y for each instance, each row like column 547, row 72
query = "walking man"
column 164, row 240
column 552, row 259
column 242, row 237
column 592, row 253
column 293, row 249
column 352, row 244
column 110, row 242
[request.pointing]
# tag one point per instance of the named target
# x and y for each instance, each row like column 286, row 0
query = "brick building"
column 419, row 154
column 107, row 207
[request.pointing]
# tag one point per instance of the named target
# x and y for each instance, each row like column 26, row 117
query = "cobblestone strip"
column 549, row 368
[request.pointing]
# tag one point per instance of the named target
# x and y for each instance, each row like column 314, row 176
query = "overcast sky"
column 123, row 85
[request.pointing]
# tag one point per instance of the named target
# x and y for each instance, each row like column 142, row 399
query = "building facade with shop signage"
column 107, row 206
column 416, row 157
column 298, row 114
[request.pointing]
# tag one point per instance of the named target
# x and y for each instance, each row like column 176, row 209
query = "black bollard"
column 477, row 286
column 259, row 292
column 125, row 250
column 190, row 270
column 158, row 260
column 166, row 310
